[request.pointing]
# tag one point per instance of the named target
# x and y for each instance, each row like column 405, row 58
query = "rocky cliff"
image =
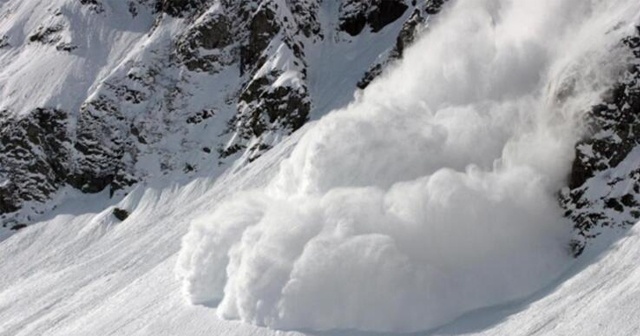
column 604, row 186
column 144, row 88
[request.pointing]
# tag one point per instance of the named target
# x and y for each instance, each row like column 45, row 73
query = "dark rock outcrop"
column 120, row 214
column 179, row 8
column 47, row 34
column 263, row 109
column 604, row 185
column 357, row 14
column 213, row 32
column 34, row 152
column 262, row 29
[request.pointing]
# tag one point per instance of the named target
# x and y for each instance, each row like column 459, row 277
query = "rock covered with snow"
column 604, row 186
column 143, row 88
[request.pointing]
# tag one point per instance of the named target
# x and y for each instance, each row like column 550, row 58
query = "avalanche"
column 432, row 195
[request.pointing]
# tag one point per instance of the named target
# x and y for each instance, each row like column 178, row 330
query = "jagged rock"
column 200, row 116
column 377, row 14
column 95, row 5
column 101, row 148
column 305, row 14
column 4, row 41
column 178, row 8
column 18, row 227
column 384, row 13
column 614, row 126
column 34, row 152
column 47, row 35
column 210, row 33
column 405, row 38
column 353, row 20
column 261, row 30
column 433, row 7
column 408, row 33
column 130, row 95
column 264, row 108
column 68, row 47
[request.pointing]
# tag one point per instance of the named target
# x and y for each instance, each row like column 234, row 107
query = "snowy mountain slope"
column 84, row 266
column 83, row 272
column 432, row 195
column 129, row 90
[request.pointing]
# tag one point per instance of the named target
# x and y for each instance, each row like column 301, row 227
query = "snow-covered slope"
column 440, row 201
column 598, row 296
column 83, row 272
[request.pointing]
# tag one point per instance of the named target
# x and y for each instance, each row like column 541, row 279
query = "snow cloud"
column 434, row 193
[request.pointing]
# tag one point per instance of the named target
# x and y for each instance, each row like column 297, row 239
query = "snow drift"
column 434, row 193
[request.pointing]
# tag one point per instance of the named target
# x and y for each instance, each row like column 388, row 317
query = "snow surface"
column 598, row 296
column 83, row 273
column 32, row 76
column 431, row 196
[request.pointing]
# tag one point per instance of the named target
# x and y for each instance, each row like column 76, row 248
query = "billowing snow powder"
column 432, row 195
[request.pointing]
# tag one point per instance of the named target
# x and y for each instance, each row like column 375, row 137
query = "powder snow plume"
column 435, row 192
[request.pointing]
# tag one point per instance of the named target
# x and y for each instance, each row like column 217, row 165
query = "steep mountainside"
column 106, row 93
column 317, row 167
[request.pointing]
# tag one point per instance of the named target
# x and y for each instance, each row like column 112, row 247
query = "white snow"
column 598, row 296
column 34, row 74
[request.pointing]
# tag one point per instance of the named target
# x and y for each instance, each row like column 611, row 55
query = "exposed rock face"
column 35, row 153
column 357, row 14
column 179, row 8
column 264, row 109
column 211, row 33
column 39, row 157
column 604, row 186
column 100, row 147
column 433, row 6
